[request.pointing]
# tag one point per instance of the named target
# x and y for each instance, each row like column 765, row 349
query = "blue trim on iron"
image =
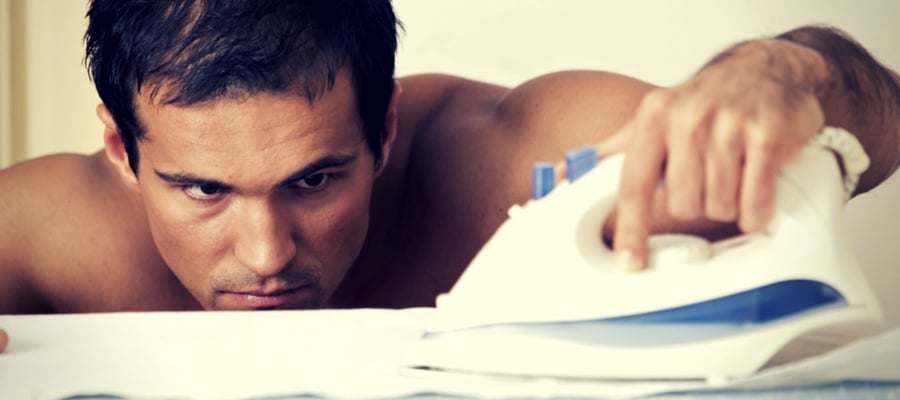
column 580, row 161
column 729, row 315
column 543, row 179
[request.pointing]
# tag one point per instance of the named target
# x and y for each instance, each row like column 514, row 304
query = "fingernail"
column 628, row 261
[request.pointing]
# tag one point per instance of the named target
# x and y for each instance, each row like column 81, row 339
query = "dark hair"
column 187, row 52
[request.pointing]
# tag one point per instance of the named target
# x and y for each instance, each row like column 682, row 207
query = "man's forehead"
column 335, row 105
column 171, row 91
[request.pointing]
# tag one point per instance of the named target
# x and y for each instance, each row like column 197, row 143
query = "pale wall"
column 53, row 102
column 504, row 41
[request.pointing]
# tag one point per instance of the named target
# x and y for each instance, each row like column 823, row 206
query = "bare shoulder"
column 68, row 226
column 571, row 107
column 548, row 114
column 27, row 215
column 43, row 189
column 39, row 194
column 51, row 175
column 465, row 151
column 41, row 202
column 486, row 137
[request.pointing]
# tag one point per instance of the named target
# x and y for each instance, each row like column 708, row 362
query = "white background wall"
column 503, row 41
column 51, row 102
column 52, row 107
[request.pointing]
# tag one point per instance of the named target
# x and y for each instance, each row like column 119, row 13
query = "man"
column 260, row 155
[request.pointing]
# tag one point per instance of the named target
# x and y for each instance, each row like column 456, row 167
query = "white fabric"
column 341, row 354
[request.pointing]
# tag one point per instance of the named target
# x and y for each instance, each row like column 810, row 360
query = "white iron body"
column 545, row 297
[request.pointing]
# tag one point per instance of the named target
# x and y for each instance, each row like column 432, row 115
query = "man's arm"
column 862, row 96
column 720, row 138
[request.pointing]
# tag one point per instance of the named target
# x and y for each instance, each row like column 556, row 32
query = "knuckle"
column 691, row 122
column 656, row 102
column 632, row 190
column 722, row 187
column 687, row 132
column 731, row 144
column 684, row 206
column 724, row 150
column 764, row 140
column 681, row 211
column 658, row 98
column 729, row 119
column 720, row 209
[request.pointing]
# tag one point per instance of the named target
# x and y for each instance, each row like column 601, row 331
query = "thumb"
column 617, row 142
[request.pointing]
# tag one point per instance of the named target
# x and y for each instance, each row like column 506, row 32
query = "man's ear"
column 390, row 127
column 115, row 148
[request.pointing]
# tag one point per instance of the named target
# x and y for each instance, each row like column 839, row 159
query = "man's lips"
column 265, row 292
column 265, row 298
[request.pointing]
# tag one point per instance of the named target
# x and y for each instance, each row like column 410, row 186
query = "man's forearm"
column 859, row 95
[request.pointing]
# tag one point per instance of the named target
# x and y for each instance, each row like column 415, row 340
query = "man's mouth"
column 257, row 299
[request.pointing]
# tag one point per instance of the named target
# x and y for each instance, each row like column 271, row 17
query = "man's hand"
column 717, row 142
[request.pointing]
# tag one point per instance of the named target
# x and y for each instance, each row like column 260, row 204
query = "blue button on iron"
column 580, row 161
column 543, row 180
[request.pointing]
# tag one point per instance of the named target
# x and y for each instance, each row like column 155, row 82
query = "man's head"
column 253, row 131
column 187, row 52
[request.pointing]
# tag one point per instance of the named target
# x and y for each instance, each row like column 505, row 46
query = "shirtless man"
column 267, row 158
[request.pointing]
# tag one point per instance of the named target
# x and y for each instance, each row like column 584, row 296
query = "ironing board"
column 338, row 354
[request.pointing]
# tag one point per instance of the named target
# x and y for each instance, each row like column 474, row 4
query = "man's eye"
column 204, row 191
column 313, row 181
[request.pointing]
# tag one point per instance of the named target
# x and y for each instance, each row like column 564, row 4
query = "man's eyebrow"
column 322, row 163
column 180, row 178
column 185, row 179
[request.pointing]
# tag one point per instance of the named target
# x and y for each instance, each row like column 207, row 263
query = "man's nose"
column 265, row 242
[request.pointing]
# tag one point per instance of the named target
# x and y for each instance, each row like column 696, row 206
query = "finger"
column 684, row 166
column 641, row 172
column 723, row 168
column 757, row 194
column 617, row 142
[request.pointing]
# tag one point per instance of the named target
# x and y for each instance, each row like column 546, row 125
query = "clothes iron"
column 545, row 297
